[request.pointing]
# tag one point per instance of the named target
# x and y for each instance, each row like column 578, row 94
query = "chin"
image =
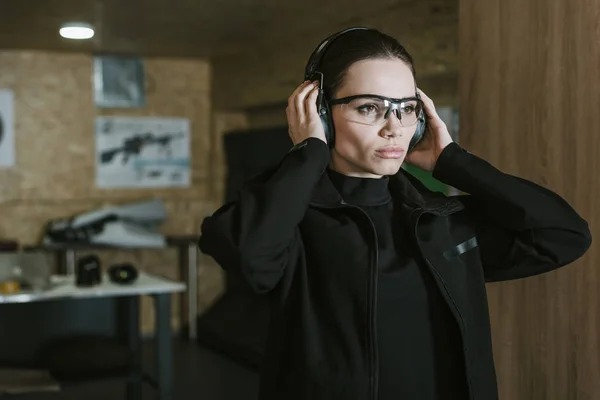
column 388, row 167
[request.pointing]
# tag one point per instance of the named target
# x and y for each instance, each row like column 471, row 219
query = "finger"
column 291, row 116
column 299, row 102
column 291, row 113
column 301, row 96
column 428, row 104
column 294, row 94
column 311, row 104
column 299, row 88
column 423, row 94
column 426, row 99
column 292, row 124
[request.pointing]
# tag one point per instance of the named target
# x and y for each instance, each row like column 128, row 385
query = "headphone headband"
column 315, row 58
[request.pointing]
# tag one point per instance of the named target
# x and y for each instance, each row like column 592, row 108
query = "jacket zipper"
column 435, row 271
column 372, row 307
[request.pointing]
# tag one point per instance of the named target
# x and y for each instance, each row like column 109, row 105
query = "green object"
column 427, row 179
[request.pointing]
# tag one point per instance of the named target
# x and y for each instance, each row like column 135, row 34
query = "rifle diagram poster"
column 142, row 152
column 7, row 134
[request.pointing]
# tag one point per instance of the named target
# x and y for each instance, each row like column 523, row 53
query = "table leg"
column 131, row 322
column 164, row 346
column 188, row 269
column 71, row 260
column 192, row 288
column 67, row 260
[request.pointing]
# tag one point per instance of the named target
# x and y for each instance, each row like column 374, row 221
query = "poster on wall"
column 7, row 132
column 142, row 152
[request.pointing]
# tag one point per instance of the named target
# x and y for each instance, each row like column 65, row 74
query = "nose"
column 391, row 127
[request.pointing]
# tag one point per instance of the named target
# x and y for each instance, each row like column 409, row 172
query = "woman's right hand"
column 303, row 119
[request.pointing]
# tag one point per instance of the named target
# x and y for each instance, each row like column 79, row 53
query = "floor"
column 200, row 374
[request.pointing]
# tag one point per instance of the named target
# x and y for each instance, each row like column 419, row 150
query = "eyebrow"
column 348, row 99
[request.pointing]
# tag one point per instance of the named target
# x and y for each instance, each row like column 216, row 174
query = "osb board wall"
column 54, row 176
column 428, row 29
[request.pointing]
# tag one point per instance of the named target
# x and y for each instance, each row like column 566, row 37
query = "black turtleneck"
column 419, row 346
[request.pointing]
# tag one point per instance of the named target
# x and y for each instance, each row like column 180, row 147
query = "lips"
column 390, row 152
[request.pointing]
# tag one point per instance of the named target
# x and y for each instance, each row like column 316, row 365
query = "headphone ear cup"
column 325, row 114
column 419, row 132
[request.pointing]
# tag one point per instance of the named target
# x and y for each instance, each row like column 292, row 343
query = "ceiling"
column 186, row 28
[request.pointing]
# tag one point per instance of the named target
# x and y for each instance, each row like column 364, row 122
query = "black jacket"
column 291, row 235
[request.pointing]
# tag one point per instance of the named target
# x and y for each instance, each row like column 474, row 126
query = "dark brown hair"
column 357, row 46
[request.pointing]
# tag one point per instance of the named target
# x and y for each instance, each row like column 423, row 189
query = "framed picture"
column 7, row 134
column 119, row 82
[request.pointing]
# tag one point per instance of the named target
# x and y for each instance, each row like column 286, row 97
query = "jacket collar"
column 404, row 189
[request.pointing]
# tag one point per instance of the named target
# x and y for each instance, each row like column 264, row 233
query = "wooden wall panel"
column 529, row 101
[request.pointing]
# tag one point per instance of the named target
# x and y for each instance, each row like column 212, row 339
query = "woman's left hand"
column 435, row 140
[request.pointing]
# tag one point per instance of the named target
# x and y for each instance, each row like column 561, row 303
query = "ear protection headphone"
column 312, row 73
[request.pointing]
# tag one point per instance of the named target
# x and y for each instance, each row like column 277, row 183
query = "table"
column 161, row 290
column 187, row 254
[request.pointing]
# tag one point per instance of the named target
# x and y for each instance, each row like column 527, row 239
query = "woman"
column 378, row 284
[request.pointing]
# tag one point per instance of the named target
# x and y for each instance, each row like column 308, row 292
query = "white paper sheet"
column 142, row 152
column 7, row 129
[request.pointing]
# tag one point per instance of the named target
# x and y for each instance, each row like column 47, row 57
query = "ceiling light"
column 77, row 31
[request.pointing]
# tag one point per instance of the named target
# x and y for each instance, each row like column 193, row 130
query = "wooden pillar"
column 530, row 104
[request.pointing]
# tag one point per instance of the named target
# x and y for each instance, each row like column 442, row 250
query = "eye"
column 408, row 109
column 367, row 108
